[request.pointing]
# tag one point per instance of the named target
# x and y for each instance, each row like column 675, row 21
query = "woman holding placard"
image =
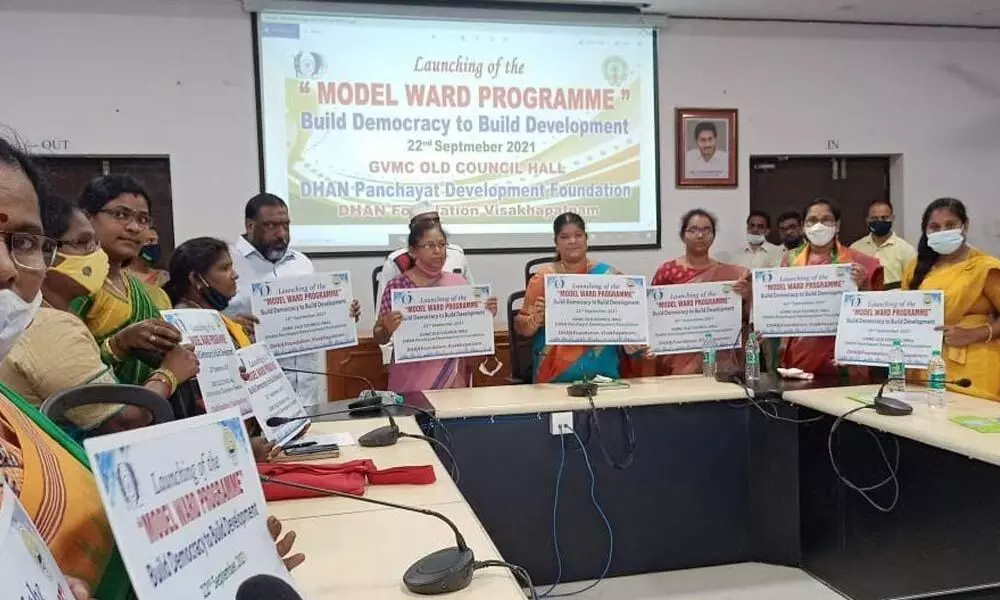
column 822, row 224
column 565, row 363
column 970, row 280
column 429, row 247
column 698, row 228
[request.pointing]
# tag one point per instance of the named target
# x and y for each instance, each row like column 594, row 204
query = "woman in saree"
column 428, row 245
column 970, row 280
column 35, row 372
column 698, row 228
column 822, row 224
column 38, row 461
column 565, row 363
column 118, row 208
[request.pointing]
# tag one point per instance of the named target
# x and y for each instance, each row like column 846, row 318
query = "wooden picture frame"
column 717, row 128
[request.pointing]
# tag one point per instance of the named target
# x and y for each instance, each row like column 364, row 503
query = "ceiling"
column 980, row 13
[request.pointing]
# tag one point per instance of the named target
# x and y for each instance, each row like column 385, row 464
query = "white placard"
column 186, row 507
column 799, row 301
column 681, row 316
column 27, row 568
column 595, row 310
column 442, row 322
column 219, row 377
column 271, row 394
column 303, row 314
column 871, row 321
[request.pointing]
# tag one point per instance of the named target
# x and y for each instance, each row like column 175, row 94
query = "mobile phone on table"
column 309, row 452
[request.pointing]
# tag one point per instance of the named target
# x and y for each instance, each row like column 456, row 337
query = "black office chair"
column 106, row 393
column 521, row 352
column 532, row 265
column 375, row 276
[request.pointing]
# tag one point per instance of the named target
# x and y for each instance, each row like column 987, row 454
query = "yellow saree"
column 971, row 298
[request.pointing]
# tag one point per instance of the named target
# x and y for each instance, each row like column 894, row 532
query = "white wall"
column 141, row 77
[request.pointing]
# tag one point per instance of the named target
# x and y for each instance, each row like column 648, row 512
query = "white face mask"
column 946, row 242
column 15, row 316
column 820, row 234
column 755, row 239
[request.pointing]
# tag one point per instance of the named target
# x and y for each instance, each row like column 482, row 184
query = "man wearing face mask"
column 261, row 253
column 760, row 253
column 892, row 251
column 35, row 372
column 790, row 229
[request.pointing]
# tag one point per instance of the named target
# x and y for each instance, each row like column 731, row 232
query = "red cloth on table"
column 349, row 477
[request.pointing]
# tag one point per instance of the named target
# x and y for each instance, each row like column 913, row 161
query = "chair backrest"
column 520, row 346
column 106, row 393
column 532, row 265
column 375, row 276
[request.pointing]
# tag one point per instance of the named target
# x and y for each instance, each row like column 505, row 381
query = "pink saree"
column 673, row 273
column 435, row 374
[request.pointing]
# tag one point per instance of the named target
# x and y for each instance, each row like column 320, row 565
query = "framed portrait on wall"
column 707, row 150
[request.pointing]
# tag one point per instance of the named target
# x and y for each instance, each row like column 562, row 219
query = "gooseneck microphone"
column 894, row 407
column 446, row 570
column 386, row 435
column 266, row 587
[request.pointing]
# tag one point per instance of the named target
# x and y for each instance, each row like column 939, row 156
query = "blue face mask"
column 946, row 242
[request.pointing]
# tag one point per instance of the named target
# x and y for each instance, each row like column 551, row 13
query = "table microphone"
column 893, row 407
column 441, row 572
column 387, row 435
column 266, row 587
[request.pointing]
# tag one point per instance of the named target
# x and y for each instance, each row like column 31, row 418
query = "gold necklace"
column 123, row 291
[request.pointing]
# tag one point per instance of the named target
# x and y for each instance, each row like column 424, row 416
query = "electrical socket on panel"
column 561, row 423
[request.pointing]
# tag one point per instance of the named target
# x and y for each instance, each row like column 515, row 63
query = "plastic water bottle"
column 752, row 353
column 708, row 357
column 936, row 376
column 897, row 369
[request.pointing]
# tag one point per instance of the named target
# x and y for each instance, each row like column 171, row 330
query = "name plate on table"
column 186, row 507
column 304, row 314
column 799, row 301
column 271, row 394
column 871, row 321
column 595, row 310
column 680, row 317
column 442, row 322
column 27, row 568
column 219, row 377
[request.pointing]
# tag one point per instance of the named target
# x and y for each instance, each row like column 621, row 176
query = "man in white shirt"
column 707, row 161
column 400, row 261
column 759, row 253
column 262, row 253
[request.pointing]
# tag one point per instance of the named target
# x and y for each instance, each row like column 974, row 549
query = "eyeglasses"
column 124, row 214
column 80, row 246
column 30, row 250
column 432, row 246
column 693, row 231
column 829, row 221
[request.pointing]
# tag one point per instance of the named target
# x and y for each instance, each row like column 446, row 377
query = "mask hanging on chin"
column 820, row 234
column 213, row 297
column 15, row 316
column 150, row 253
column 427, row 270
column 946, row 242
column 90, row 271
column 755, row 239
column 792, row 243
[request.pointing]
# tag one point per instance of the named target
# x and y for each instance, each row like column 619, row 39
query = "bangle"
column 167, row 377
column 989, row 329
column 108, row 353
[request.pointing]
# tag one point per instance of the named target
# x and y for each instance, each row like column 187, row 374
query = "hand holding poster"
column 799, row 301
column 442, row 322
column 27, row 568
column 306, row 313
column 271, row 394
column 595, row 310
column 680, row 316
column 219, row 374
column 186, row 507
column 871, row 321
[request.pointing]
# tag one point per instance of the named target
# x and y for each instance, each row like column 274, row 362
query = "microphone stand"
column 446, row 570
column 893, row 407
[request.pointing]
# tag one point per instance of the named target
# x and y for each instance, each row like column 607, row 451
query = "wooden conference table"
column 359, row 551
column 712, row 481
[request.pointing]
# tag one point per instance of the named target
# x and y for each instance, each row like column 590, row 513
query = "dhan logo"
column 261, row 289
column 309, row 65
column 402, row 297
column 615, row 70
